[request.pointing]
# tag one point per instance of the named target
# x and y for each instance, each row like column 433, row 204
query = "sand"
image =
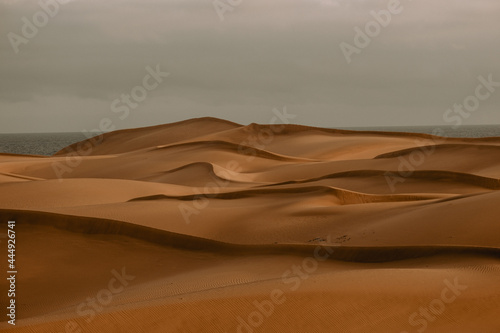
column 210, row 226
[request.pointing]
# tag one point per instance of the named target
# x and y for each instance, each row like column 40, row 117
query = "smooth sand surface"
column 211, row 226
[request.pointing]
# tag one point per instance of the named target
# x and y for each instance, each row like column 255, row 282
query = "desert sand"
column 210, row 226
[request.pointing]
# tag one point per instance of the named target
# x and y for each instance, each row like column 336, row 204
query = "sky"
column 78, row 65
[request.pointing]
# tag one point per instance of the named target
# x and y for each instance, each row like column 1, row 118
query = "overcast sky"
column 243, row 61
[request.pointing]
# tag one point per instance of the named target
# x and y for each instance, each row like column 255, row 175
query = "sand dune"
column 134, row 139
column 214, row 226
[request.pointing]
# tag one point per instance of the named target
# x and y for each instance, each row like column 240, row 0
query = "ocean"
column 37, row 143
column 50, row 143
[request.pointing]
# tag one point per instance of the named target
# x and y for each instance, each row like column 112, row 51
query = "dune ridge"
column 368, row 254
column 486, row 182
column 345, row 197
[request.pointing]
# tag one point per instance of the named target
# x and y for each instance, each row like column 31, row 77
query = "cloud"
column 264, row 54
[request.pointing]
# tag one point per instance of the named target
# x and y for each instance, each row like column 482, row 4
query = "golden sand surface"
column 210, row 226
